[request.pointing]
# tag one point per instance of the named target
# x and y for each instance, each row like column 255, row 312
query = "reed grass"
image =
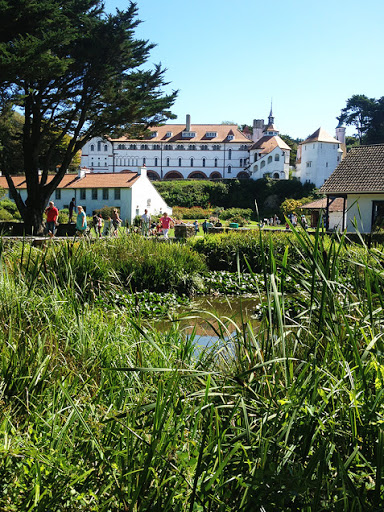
column 100, row 412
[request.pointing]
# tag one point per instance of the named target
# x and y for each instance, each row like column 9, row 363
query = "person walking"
column 196, row 227
column 166, row 223
column 81, row 221
column 99, row 224
column 52, row 214
column 72, row 206
column 116, row 221
column 145, row 223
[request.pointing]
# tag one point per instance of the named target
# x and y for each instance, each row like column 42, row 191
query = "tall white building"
column 174, row 151
column 269, row 155
column 319, row 155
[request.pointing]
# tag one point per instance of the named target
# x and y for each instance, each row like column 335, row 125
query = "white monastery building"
column 174, row 151
column 319, row 155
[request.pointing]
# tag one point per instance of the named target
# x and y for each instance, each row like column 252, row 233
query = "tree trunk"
column 33, row 218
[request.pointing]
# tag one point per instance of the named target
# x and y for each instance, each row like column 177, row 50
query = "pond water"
column 199, row 318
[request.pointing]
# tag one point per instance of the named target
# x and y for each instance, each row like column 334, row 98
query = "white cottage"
column 131, row 192
column 359, row 180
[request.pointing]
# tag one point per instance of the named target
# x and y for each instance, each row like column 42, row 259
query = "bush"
column 244, row 213
column 241, row 221
column 10, row 207
column 63, row 216
column 191, row 213
column 5, row 215
column 106, row 211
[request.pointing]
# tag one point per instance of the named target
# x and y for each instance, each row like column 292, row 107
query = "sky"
column 230, row 58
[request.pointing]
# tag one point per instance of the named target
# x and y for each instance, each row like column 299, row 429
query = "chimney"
column 142, row 171
column 81, row 173
column 188, row 123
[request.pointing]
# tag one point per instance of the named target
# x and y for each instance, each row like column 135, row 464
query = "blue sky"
column 228, row 58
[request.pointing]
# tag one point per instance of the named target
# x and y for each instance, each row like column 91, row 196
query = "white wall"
column 102, row 161
column 323, row 158
column 281, row 166
column 145, row 196
column 359, row 211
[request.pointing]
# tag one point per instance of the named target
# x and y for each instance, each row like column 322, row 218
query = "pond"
column 199, row 317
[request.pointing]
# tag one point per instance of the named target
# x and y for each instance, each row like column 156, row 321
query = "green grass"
column 100, row 412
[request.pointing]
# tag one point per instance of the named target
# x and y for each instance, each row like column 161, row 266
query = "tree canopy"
column 367, row 115
column 72, row 70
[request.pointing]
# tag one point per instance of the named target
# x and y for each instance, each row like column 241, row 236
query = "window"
column 168, row 134
column 105, row 193
column 269, row 159
column 215, row 162
column 277, row 157
column 168, row 160
column 230, row 154
column 180, row 147
column 191, row 162
column 203, row 162
column 144, row 161
column 256, row 168
column 156, row 146
column 121, row 146
column 82, row 194
column 179, row 162
column 204, row 147
column 144, row 146
column 99, row 146
column 191, row 147
column 156, row 162
column 255, row 157
column 105, row 147
column 92, row 147
column 58, row 193
column 377, row 215
column 309, row 164
column 241, row 162
column 326, row 164
column 313, row 146
column 188, row 135
column 132, row 146
column 211, row 135
column 229, row 169
column 230, row 137
column 117, row 194
column 216, row 147
column 262, row 164
column 168, row 147
column 94, row 194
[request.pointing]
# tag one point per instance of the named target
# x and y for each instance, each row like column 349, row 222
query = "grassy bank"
column 99, row 412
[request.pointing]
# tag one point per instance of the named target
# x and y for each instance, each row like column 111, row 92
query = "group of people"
column 52, row 214
column 153, row 228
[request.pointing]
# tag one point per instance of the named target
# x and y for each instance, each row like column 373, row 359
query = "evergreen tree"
column 72, row 69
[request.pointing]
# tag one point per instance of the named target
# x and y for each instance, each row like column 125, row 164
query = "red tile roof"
column 335, row 205
column 320, row 135
column 222, row 130
column 270, row 142
column 123, row 179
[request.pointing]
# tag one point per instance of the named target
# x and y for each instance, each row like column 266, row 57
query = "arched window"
column 241, row 162
column 155, row 162
column 276, row 176
column 256, row 168
column 92, row 147
column 191, row 162
column 230, row 154
column 262, row 164
column 179, row 162
column 269, row 159
column 255, row 157
column 229, row 169
column 99, row 146
column 203, row 162
column 143, row 161
column 277, row 157
column 167, row 162
column 105, row 147
column 215, row 162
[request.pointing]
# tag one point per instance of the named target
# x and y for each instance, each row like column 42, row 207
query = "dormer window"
column 153, row 135
column 168, row 135
column 189, row 135
column 211, row 135
column 230, row 137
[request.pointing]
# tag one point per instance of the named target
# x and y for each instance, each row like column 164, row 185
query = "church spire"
column 271, row 119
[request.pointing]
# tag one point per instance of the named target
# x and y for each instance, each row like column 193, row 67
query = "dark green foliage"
column 232, row 193
column 292, row 143
column 245, row 213
column 367, row 116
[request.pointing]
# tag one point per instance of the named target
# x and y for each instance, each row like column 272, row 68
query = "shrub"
column 63, row 216
column 5, row 215
column 244, row 213
column 191, row 213
column 241, row 221
column 106, row 211
column 10, row 207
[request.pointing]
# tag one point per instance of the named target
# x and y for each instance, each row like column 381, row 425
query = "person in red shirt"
column 165, row 223
column 52, row 214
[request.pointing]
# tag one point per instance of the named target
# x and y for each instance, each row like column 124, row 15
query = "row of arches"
column 196, row 175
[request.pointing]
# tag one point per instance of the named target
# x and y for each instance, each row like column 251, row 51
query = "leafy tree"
column 367, row 115
column 11, row 130
column 72, row 69
column 292, row 143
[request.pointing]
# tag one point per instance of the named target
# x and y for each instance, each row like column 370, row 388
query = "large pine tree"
column 71, row 69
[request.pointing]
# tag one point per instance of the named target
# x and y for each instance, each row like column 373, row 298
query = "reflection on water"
column 209, row 319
